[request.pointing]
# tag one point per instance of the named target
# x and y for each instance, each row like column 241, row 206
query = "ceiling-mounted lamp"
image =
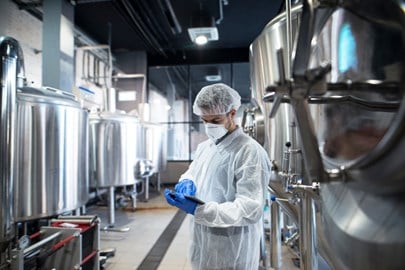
column 213, row 75
column 202, row 29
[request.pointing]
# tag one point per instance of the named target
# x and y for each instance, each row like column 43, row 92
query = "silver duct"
column 12, row 75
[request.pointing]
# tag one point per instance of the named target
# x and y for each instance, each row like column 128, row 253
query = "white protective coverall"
column 231, row 178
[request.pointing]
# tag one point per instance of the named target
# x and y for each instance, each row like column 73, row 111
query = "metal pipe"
column 312, row 158
column 11, row 71
column 41, row 243
column 111, row 100
column 136, row 19
column 170, row 12
column 221, row 13
column 111, row 206
column 308, row 239
column 286, row 206
column 289, row 38
column 275, row 240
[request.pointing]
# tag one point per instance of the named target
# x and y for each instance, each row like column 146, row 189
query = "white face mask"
column 215, row 131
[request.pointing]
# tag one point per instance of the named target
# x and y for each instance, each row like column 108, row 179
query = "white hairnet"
column 216, row 99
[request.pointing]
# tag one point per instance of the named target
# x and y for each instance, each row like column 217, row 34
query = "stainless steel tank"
column 265, row 73
column 359, row 125
column 51, row 170
column 360, row 131
column 360, row 112
column 117, row 147
column 280, row 130
column 155, row 143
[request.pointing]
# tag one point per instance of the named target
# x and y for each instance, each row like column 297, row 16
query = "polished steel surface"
column 156, row 145
column 11, row 54
column 364, row 142
column 116, row 146
column 307, row 226
column 253, row 123
column 269, row 63
column 367, row 65
column 276, row 261
column 51, row 172
column 354, row 57
column 364, row 231
column 346, row 98
column 265, row 73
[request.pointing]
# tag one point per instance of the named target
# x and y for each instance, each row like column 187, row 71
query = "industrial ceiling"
column 160, row 29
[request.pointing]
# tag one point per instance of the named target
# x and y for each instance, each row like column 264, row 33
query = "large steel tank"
column 358, row 123
column 117, row 149
column 270, row 54
column 51, row 170
column 155, row 144
column 265, row 73
column 360, row 133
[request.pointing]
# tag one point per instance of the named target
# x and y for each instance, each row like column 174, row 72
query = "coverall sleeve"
column 252, row 171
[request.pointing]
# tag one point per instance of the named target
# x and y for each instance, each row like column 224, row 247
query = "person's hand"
column 178, row 200
column 186, row 187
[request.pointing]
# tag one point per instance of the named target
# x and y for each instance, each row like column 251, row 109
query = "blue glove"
column 186, row 187
column 178, row 200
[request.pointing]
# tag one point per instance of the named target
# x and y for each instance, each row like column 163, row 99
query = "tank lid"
column 47, row 95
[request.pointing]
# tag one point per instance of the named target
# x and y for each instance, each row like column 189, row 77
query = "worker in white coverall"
column 229, row 173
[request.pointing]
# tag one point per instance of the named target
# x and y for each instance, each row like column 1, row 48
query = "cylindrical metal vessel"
column 360, row 127
column 155, row 143
column 265, row 73
column 11, row 54
column 51, row 172
column 360, row 123
column 116, row 146
column 281, row 132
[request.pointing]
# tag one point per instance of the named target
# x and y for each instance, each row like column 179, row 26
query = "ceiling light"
column 202, row 29
column 201, row 40
column 198, row 34
column 213, row 78
column 213, row 75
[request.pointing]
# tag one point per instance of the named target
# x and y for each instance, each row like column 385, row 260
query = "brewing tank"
column 51, row 170
column 155, row 143
column 265, row 73
column 116, row 149
column 358, row 121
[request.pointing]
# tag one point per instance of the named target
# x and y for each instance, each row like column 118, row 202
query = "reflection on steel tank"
column 265, row 73
column 355, row 110
column 116, row 147
column 44, row 142
column 12, row 66
column 51, row 174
